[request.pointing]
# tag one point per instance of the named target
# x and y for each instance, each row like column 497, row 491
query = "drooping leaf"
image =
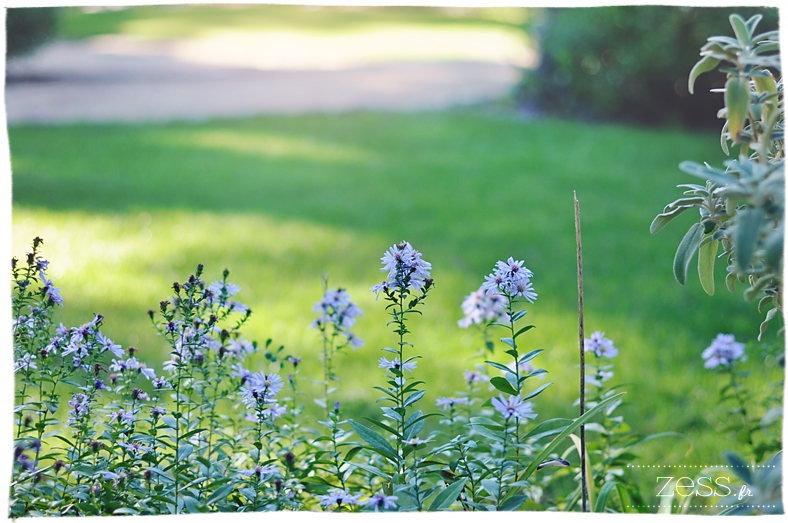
column 706, row 64
column 706, row 257
column 689, row 244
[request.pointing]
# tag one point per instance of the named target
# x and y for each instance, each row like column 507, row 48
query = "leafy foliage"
column 742, row 208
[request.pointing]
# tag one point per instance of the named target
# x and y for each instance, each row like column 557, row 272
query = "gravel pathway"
column 122, row 79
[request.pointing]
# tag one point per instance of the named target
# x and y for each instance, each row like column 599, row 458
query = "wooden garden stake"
column 583, row 471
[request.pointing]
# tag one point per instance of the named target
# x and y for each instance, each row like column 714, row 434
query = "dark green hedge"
column 629, row 63
column 29, row 27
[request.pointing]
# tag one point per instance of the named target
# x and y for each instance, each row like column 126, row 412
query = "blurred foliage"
column 628, row 63
column 29, row 27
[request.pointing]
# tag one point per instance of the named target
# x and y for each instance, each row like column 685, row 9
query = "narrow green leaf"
column 502, row 385
column 499, row 366
column 448, row 495
column 375, row 441
column 568, row 430
column 413, row 398
column 745, row 236
column 510, row 342
column 718, row 177
column 221, row 494
column 604, row 492
column 524, row 329
column 537, row 391
column 689, row 244
column 381, row 425
column 706, row 64
column 512, row 503
column 531, row 355
column 373, row 470
column 519, row 314
column 706, row 258
column 548, row 428
column 740, row 29
column 184, row 452
column 663, row 219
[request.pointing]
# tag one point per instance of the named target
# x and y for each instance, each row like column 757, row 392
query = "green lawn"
column 127, row 210
column 203, row 20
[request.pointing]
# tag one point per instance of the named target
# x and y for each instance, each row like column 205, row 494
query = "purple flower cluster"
column 481, row 307
column 338, row 497
column 335, row 308
column 600, row 345
column 724, row 350
column 405, row 269
column 80, row 407
column 511, row 278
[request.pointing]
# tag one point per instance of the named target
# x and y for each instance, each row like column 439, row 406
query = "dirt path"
column 123, row 79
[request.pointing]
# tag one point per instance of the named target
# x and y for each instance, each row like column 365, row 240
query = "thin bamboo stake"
column 583, row 471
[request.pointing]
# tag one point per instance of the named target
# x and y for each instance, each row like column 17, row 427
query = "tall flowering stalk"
column 406, row 286
column 511, row 280
column 336, row 315
column 724, row 354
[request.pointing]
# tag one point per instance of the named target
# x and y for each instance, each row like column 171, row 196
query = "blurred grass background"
column 126, row 210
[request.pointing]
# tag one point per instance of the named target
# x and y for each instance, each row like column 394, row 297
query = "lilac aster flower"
column 238, row 371
column 448, row 403
column 513, row 407
column 480, row 307
column 274, row 411
column 161, row 383
column 135, row 447
column 122, row 416
column 473, row 377
column 338, row 497
column 110, row 475
column 405, row 269
column 263, row 472
column 380, row 501
column 511, row 278
column 409, row 366
column 724, row 350
column 106, row 344
column 80, row 407
column 25, row 363
column 336, row 308
column 52, row 293
column 226, row 289
column 600, row 345
column 158, row 411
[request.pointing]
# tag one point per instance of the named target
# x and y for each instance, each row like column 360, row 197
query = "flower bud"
column 199, row 269
column 164, row 305
column 150, row 313
column 278, row 485
column 176, row 287
column 289, row 460
column 59, row 464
